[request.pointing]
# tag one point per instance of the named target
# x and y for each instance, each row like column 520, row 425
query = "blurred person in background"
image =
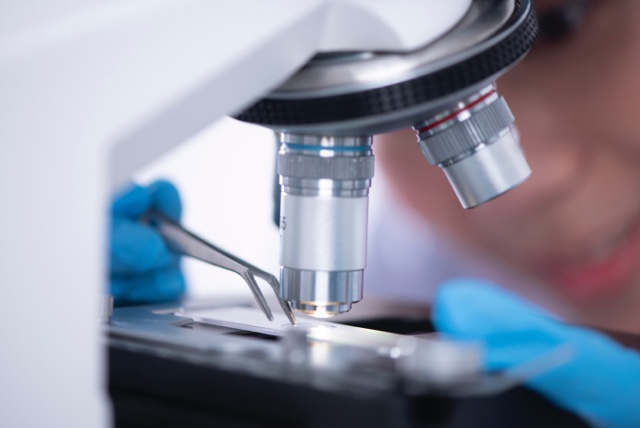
column 568, row 237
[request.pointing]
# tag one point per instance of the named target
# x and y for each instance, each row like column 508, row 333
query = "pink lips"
column 602, row 275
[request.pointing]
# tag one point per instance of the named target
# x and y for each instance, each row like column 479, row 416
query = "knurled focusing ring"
column 315, row 167
column 313, row 164
column 464, row 135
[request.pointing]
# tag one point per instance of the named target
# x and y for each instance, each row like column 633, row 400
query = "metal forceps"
column 191, row 245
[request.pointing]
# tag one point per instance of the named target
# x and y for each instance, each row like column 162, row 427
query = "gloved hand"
column 601, row 382
column 143, row 268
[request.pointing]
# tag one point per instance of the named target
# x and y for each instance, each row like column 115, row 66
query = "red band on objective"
column 457, row 112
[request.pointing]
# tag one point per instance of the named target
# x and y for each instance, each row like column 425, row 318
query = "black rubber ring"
column 281, row 112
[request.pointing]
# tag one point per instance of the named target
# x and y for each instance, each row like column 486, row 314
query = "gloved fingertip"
column 137, row 248
column 132, row 201
column 166, row 198
column 153, row 287
column 172, row 284
column 475, row 305
column 454, row 299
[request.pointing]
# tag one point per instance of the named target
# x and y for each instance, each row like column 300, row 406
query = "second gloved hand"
column 602, row 380
column 143, row 268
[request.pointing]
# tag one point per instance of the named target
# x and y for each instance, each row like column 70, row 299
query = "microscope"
column 110, row 86
column 381, row 372
column 327, row 113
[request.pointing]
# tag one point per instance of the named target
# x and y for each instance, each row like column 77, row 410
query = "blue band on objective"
column 335, row 149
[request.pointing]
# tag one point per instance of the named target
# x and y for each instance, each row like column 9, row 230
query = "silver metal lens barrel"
column 323, row 226
column 474, row 143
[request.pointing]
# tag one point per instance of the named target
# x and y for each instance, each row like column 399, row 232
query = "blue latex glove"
column 602, row 381
column 143, row 269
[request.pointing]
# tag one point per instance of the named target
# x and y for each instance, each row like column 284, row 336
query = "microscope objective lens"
column 325, row 193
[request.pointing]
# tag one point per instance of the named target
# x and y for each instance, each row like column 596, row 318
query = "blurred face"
column 575, row 224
